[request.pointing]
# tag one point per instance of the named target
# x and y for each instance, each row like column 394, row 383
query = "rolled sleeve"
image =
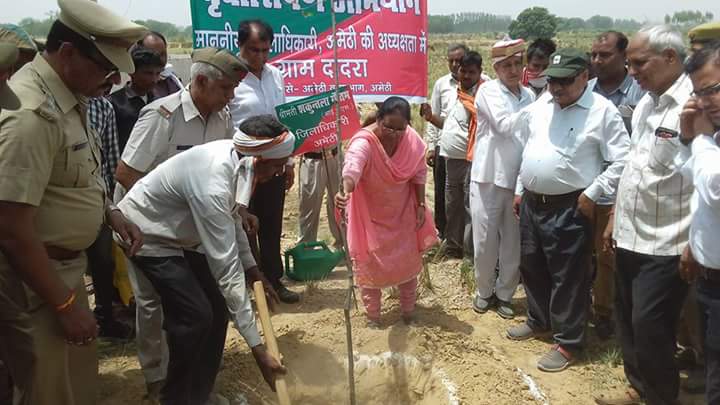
column 215, row 224
column 149, row 137
column 29, row 145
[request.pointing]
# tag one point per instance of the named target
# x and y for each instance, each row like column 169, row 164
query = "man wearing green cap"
column 567, row 135
column 166, row 127
column 52, row 197
column 703, row 34
column 651, row 221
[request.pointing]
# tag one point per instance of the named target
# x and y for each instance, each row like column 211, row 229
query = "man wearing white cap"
column 168, row 126
column 495, row 167
column 53, row 200
column 191, row 203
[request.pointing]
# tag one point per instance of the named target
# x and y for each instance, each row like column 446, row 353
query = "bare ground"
column 448, row 337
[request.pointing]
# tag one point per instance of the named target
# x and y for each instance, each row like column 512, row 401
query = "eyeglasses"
column 100, row 61
column 561, row 81
column 389, row 130
column 707, row 91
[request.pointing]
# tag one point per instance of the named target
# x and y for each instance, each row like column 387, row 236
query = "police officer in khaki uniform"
column 168, row 126
column 14, row 321
column 52, row 197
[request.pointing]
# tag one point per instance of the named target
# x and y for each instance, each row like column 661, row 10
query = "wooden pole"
column 270, row 342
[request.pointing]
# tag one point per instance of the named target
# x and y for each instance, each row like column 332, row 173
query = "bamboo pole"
column 270, row 342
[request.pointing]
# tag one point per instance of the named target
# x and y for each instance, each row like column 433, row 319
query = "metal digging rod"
column 350, row 297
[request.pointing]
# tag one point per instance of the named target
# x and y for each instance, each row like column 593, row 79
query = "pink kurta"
column 384, row 244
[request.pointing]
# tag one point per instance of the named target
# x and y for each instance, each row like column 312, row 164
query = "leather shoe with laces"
column 287, row 296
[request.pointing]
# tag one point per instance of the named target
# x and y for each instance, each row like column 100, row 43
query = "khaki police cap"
column 8, row 56
column 234, row 67
column 18, row 36
column 112, row 34
column 705, row 32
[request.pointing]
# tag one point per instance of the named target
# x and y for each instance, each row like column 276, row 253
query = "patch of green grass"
column 467, row 276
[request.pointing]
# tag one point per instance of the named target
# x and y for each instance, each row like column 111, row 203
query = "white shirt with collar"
column 443, row 96
column 564, row 148
column 170, row 125
column 497, row 156
column 705, row 225
column 652, row 210
column 454, row 136
column 257, row 96
column 188, row 203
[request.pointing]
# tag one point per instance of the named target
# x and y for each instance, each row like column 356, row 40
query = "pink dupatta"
column 409, row 158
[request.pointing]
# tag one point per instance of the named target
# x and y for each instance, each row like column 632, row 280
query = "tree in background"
column 688, row 17
column 532, row 23
column 600, row 23
column 464, row 23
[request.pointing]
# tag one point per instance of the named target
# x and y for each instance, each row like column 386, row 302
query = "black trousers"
column 101, row 267
column 439, row 179
column 708, row 296
column 267, row 203
column 649, row 296
column 555, row 264
column 195, row 319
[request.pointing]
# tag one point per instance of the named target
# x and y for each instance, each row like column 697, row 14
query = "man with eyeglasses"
column 567, row 135
column 700, row 127
column 53, row 199
column 608, row 58
column 651, row 221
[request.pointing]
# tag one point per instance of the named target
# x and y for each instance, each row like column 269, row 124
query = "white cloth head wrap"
column 279, row 147
column 255, row 147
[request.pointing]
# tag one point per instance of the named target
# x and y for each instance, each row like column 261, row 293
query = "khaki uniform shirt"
column 50, row 159
column 169, row 126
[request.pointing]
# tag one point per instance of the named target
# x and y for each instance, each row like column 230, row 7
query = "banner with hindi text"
column 382, row 44
column 313, row 120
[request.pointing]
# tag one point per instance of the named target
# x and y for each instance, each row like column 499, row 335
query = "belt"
column 709, row 274
column 554, row 200
column 58, row 253
column 319, row 155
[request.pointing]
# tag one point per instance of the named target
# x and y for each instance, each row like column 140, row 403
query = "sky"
column 178, row 11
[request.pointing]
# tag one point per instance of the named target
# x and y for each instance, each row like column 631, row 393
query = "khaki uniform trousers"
column 64, row 374
column 16, row 342
column 314, row 181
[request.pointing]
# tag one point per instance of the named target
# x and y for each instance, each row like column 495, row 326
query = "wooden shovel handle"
column 264, row 313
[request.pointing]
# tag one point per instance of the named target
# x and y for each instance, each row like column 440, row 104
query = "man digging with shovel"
column 192, row 208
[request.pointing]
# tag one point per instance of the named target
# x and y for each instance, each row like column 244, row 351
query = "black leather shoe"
column 287, row 296
column 116, row 331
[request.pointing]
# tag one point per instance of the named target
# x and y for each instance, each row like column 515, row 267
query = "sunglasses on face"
column 561, row 81
column 707, row 91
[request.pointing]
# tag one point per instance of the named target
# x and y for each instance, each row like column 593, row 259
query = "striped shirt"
column 652, row 210
column 101, row 116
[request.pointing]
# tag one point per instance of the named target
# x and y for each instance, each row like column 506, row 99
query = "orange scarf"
column 468, row 101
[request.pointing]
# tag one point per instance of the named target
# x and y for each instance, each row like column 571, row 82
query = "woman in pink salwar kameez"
column 388, row 224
